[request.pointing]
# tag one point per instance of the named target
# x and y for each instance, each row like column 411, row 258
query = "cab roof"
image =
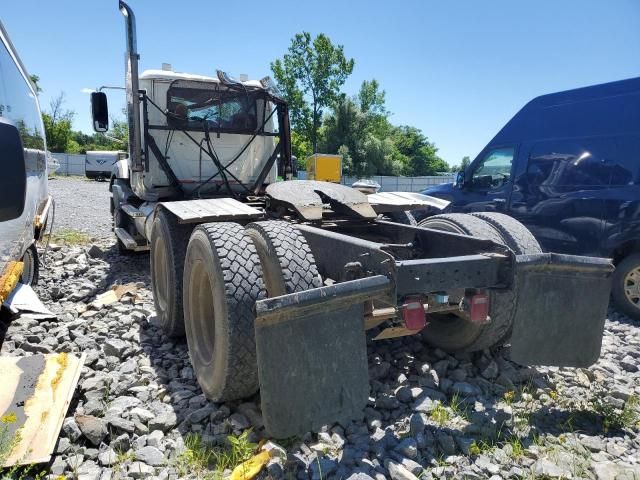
column 170, row 75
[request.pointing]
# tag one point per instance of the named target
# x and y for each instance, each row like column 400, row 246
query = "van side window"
column 625, row 164
column 494, row 170
column 18, row 103
column 576, row 162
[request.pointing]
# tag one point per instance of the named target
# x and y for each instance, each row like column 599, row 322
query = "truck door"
column 558, row 195
column 488, row 181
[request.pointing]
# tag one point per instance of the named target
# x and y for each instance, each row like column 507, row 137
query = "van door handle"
column 499, row 203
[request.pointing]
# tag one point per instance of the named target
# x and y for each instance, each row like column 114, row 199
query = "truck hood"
column 439, row 190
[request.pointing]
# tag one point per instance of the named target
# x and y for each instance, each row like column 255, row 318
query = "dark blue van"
column 568, row 166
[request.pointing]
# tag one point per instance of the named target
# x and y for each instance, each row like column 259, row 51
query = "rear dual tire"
column 167, row 253
column 453, row 333
column 227, row 269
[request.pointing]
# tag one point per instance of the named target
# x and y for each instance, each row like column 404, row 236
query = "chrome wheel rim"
column 632, row 287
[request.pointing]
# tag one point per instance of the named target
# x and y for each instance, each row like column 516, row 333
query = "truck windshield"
column 195, row 108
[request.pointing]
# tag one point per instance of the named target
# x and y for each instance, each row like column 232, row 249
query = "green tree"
column 57, row 125
column 363, row 135
column 466, row 161
column 310, row 76
column 371, row 98
column 420, row 155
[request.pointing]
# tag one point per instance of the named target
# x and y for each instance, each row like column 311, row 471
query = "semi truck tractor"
column 277, row 284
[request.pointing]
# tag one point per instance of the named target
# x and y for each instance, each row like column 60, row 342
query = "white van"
column 99, row 163
column 24, row 202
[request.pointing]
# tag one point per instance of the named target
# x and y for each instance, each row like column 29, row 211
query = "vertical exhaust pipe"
column 131, row 83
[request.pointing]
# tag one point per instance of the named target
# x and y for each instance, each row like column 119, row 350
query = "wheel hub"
column 632, row 286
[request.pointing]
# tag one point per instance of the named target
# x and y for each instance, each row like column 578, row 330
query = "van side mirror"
column 460, row 179
column 99, row 111
column 13, row 180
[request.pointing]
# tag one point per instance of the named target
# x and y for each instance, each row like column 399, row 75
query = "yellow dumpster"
column 326, row 168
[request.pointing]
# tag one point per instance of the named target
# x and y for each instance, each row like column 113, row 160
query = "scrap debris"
column 33, row 404
column 114, row 295
column 24, row 300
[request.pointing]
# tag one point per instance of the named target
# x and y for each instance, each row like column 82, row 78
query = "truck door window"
column 494, row 170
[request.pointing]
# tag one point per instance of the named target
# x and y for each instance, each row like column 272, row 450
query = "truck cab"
column 567, row 166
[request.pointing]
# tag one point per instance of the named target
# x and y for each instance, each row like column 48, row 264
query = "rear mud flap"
column 312, row 356
column 562, row 305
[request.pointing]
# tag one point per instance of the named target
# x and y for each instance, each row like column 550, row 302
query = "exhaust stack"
column 131, row 84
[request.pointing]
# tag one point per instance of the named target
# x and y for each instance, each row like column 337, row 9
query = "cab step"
column 131, row 211
column 129, row 242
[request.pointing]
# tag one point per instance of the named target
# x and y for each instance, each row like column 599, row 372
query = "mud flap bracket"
column 312, row 355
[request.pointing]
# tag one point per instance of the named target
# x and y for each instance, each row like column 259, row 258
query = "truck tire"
column 168, row 246
column 222, row 282
column 625, row 290
column 287, row 263
column 514, row 234
column 31, row 266
column 452, row 333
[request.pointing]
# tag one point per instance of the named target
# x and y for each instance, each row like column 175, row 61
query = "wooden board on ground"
column 34, row 400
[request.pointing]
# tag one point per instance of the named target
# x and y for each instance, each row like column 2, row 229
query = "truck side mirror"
column 13, row 181
column 99, row 111
column 460, row 179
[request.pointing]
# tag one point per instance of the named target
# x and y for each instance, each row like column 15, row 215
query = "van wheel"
column 31, row 268
column 453, row 333
column 222, row 282
column 168, row 246
column 625, row 290
column 287, row 263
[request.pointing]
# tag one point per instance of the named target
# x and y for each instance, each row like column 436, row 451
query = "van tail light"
column 413, row 314
column 479, row 307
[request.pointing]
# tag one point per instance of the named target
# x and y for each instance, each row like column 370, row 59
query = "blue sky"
column 458, row 70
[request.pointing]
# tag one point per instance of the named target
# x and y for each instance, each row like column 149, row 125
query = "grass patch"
column 69, row 236
column 7, row 443
column 7, row 440
column 440, row 414
column 459, row 407
column 208, row 462
column 614, row 418
column 480, row 447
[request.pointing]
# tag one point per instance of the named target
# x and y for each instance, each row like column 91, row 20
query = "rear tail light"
column 479, row 308
column 413, row 314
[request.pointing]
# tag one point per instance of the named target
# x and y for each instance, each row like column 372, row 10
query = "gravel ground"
column 83, row 205
column 430, row 415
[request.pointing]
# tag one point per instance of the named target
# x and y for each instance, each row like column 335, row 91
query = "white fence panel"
column 404, row 184
column 70, row 163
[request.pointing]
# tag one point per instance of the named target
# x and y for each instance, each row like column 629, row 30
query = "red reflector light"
column 479, row 307
column 413, row 314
